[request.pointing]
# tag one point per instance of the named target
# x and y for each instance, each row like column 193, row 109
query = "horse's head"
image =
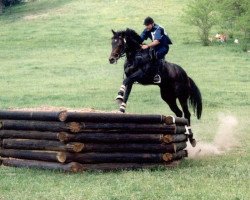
column 118, row 46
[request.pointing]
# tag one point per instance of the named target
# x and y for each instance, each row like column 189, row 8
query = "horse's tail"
column 195, row 98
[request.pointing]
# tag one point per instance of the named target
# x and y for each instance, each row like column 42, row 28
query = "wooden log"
column 129, row 127
column 77, row 167
column 175, row 120
column 40, row 135
column 70, row 167
column 27, row 144
column 76, row 127
column 37, row 125
column 127, row 166
column 88, row 158
column 120, row 137
column 33, row 115
column 123, row 127
column 175, row 138
column 168, row 157
column 134, row 148
column 91, row 147
column 113, row 118
column 123, row 118
column 34, row 155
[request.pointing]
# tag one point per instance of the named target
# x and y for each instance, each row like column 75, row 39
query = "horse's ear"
column 114, row 33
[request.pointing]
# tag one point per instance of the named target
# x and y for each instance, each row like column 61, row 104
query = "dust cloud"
column 224, row 139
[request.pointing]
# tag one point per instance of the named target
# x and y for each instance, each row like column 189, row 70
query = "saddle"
column 146, row 61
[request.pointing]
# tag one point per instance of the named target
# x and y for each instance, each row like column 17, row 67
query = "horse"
column 175, row 83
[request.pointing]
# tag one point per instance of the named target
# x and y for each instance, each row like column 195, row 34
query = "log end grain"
column 167, row 138
column 76, row 167
column 167, row 157
column 62, row 137
column 61, row 157
column 75, row 127
column 168, row 119
column 62, row 116
column 76, row 146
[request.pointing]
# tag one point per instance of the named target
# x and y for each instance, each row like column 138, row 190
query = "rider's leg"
column 161, row 52
column 159, row 57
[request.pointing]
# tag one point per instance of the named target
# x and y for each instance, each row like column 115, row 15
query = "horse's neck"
column 130, row 55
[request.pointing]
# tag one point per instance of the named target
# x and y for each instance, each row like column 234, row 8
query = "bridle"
column 123, row 51
column 125, row 47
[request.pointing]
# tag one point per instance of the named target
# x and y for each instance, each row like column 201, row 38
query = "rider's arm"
column 154, row 43
column 157, row 37
column 144, row 35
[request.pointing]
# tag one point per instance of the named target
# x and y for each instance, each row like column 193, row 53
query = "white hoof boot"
column 122, row 107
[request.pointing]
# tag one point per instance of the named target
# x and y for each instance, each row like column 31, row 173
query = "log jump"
column 78, row 141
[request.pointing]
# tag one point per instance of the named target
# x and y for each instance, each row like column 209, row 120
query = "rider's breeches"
column 161, row 52
column 133, row 77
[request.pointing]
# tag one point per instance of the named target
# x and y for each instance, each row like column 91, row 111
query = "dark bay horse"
column 175, row 83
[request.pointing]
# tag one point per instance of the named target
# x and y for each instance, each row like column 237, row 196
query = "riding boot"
column 157, row 64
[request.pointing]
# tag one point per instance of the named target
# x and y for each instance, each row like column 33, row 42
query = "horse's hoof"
column 193, row 142
column 121, row 110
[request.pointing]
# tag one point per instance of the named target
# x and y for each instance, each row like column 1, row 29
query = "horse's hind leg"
column 184, row 106
column 187, row 115
column 171, row 101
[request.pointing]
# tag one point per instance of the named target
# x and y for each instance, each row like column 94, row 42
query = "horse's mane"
column 130, row 34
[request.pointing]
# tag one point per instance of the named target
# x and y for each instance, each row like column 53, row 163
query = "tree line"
column 7, row 3
column 230, row 16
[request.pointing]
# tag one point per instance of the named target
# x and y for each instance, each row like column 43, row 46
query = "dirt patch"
column 51, row 12
column 53, row 108
column 35, row 16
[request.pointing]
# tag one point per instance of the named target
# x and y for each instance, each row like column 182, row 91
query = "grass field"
column 56, row 53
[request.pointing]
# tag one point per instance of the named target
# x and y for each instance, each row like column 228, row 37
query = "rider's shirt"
column 156, row 33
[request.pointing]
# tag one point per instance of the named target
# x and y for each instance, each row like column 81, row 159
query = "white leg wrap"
column 122, row 88
column 122, row 107
column 188, row 128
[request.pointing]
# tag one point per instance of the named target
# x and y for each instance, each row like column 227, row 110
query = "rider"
column 159, row 45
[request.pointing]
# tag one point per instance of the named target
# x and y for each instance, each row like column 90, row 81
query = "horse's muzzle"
column 112, row 60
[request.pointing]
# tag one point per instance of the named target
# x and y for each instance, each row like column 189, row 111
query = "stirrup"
column 159, row 79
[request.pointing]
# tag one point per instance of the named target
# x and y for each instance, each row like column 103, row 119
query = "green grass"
column 56, row 53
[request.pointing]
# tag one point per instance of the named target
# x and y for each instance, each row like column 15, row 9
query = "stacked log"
column 78, row 141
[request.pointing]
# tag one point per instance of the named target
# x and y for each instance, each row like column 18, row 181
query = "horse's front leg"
column 136, row 76
column 121, row 93
column 125, row 98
